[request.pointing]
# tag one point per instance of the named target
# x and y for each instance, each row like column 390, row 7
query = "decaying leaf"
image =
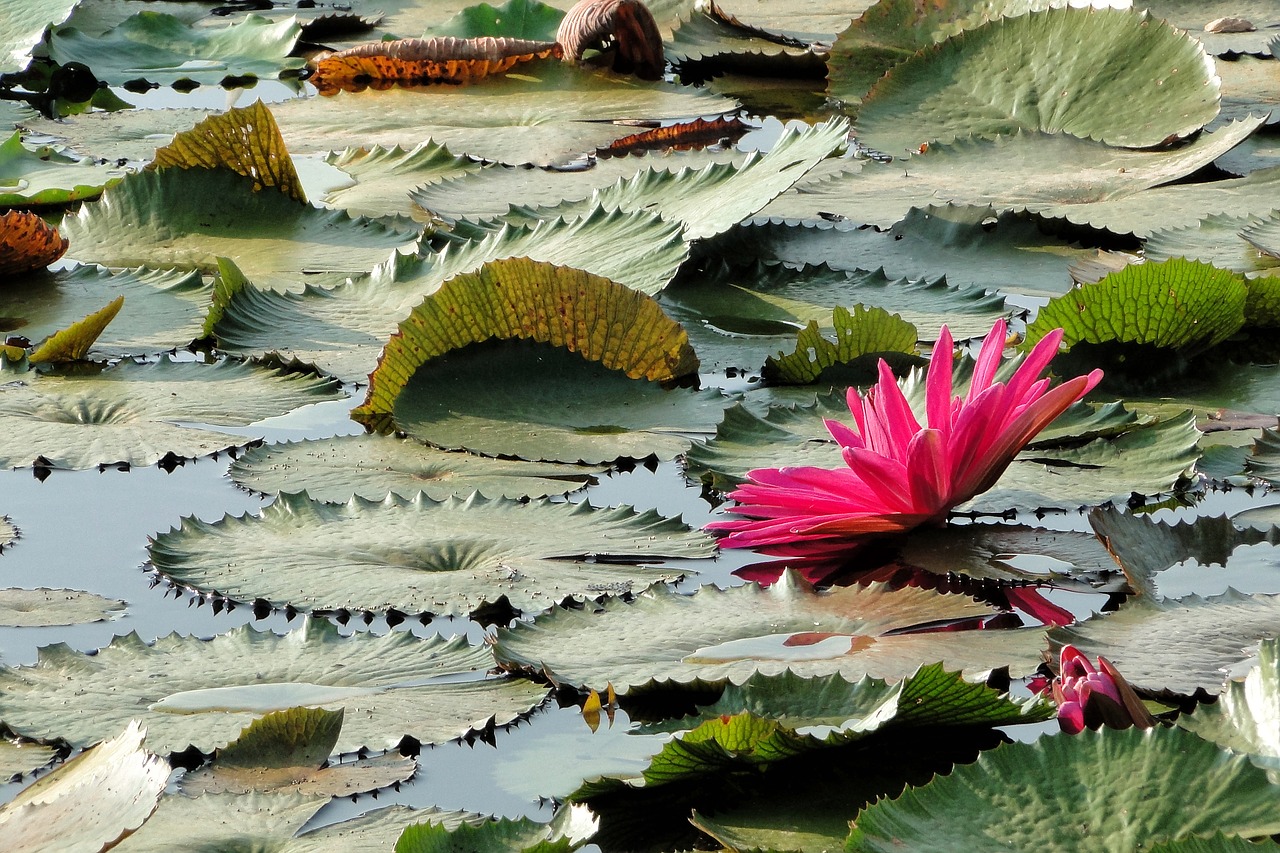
column 626, row 24
column 28, row 243
column 73, row 342
column 446, row 59
column 686, row 136
column 245, row 140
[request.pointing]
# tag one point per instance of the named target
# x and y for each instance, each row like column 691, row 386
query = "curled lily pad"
column 416, row 61
column 1217, row 240
column 46, row 176
column 1123, row 789
column 252, row 821
column 864, row 335
column 202, row 693
column 383, row 175
column 1243, row 719
column 372, row 466
column 28, row 243
column 728, row 635
column 74, row 342
column 23, row 608
column 1264, row 460
column 423, row 556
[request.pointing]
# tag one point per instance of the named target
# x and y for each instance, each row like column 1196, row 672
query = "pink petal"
column 984, row 370
column 938, row 382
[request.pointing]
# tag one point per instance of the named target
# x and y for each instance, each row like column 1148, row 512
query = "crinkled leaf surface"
column 162, row 308
column 130, row 412
column 555, row 406
column 710, row 40
column 344, row 329
column 27, row 243
column 288, row 751
column 423, row 556
column 384, row 177
column 25, row 608
column 1006, row 552
column 863, row 335
column 520, row 299
column 89, row 803
column 1039, row 72
column 1217, row 843
column 376, row 831
column 891, row 31
column 422, row 62
column 1246, row 717
column 45, row 176
column 188, row 218
column 1025, row 171
column 665, row 638
column 372, row 466
column 1264, row 460
column 255, row 821
column 189, row 691
column 1265, row 234
column 245, row 140
column 161, row 48
column 1123, row 790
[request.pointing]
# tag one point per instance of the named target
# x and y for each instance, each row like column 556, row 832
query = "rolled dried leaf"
column 627, row 25
column 686, row 136
column 447, row 59
column 28, row 243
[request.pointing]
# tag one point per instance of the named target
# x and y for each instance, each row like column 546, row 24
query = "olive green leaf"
column 863, row 337
column 573, row 826
column 74, row 342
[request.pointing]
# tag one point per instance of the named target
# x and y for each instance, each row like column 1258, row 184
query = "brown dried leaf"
column 381, row 65
column 28, row 243
column 687, row 136
column 627, row 25
column 245, row 140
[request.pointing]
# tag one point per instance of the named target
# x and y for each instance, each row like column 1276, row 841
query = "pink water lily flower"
column 899, row 474
column 1092, row 696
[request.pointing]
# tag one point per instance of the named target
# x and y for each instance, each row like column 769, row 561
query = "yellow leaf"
column 73, row 342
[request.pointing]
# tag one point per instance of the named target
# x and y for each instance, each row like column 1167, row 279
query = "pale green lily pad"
column 1217, row 240
column 1217, row 843
column 130, row 412
column 423, row 556
column 372, row 466
column 1007, row 552
column 8, row 532
column 160, row 48
column 27, row 608
column 374, row 832
column 892, row 31
column 90, row 802
column 705, row 44
column 1250, row 86
column 1026, row 171
column 19, row 758
column 188, row 218
column 384, row 177
column 737, row 315
column 573, row 826
column 1265, row 234
column 555, row 407
column 202, row 693
column 1039, row 72
column 343, row 330
column 1181, row 645
column 972, row 246
column 1246, row 717
column 665, row 639
column 288, row 751
column 44, row 176
column 1264, row 460
column 1193, row 15
column 21, row 28
column 255, row 821
column 1260, row 151
column 1122, row 789
column 162, row 309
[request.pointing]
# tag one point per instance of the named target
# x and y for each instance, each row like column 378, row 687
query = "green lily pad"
column 91, row 802
column 1175, row 304
column 202, row 693
column 376, row 831
column 423, row 556
column 978, row 83
column 1193, row 15
column 1250, row 87
column 1265, row 234
column 45, row 176
column 372, row 466
column 573, row 826
column 1244, row 719
column 226, row 822
column 289, row 751
column 555, row 406
column 1264, row 460
column 26, row 608
column 343, row 330
column 188, row 218
column 520, row 299
column 720, row 636
column 162, row 309
column 710, row 41
column 383, row 175
column 1123, row 790
column 129, row 413
column 1217, row 843
column 523, row 19
column 162, row 49
column 1217, row 240
column 863, row 338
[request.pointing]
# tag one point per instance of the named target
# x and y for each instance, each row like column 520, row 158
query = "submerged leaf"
column 28, row 243
column 74, row 342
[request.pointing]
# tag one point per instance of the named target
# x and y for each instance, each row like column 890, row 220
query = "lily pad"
column 89, row 803
column 26, row 608
column 383, row 177
column 978, row 83
column 712, row 41
column 1217, row 240
column 1264, row 461
column 1244, row 717
column 573, row 826
column 130, row 412
column 863, row 336
column 423, row 556
column 523, row 19
column 45, row 176
column 289, row 751
column 27, row 243
column 253, row 821
column 188, row 218
column 372, row 466
column 1123, row 789
column 72, row 344
column 163, row 49
column 19, row 758
column 202, row 693
column 23, row 26
column 721, row 636
column 1194, row 15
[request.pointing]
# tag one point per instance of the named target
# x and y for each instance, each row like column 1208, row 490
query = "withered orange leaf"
column 627, row 25
column 381, row 65
column 685, row 136
column 28, row 243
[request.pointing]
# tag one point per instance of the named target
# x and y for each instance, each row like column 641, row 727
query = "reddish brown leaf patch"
column 679, row 137
column 408, row 62
column 28, row 243
column 626, row 25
